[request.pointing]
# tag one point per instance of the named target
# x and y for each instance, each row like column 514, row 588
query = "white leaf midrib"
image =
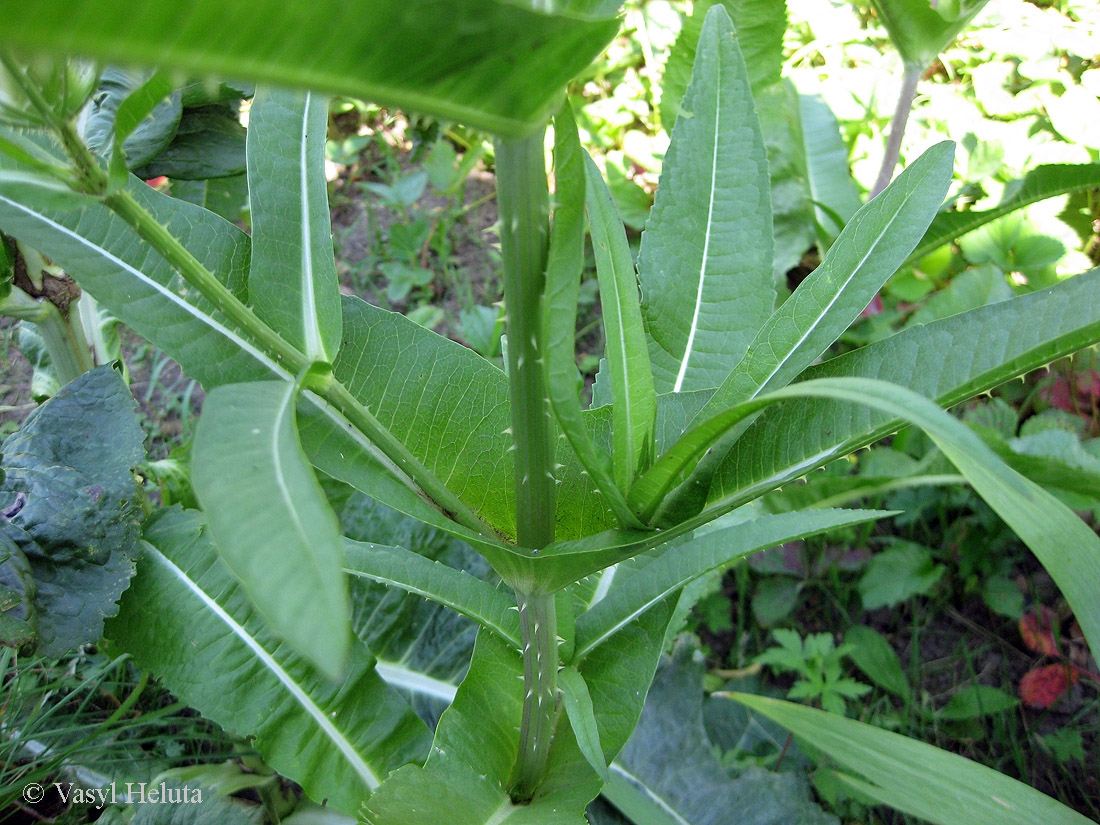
column 314, row 345
column 706, row 237
column 303, row 699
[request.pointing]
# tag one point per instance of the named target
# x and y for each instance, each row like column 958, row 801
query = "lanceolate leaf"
column 188, row 621
column 565, row 260
column 269, row 518
column 633, row 408
column 1042, row 182
column 869, row 250
column 915, row 777
column 292, row 284
column 455, row 589
column 1068, row 549
column 637, row 592
column 578, row 708
column 949, row 360
column 494, row 65
column 706, row 291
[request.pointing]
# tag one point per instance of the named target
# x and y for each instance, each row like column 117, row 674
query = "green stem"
column 68, row 357
column 294, row 361
column 523, row 202
column 192, row 270
column 538, row 629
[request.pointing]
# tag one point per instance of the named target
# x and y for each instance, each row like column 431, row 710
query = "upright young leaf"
column 912, row 776
column 292, row 284
column 633, row 409
column 186, row 619
column 869, row 250
column 565, row 261
column 705, row 264
column 269, row 517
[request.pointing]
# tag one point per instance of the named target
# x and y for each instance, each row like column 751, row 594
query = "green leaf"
column 18, row 614
column 176, row 803
column 897, row 574
column 269, row 518
column 421, row 648
column 633, row 407
column 140, row 288
column 455, row 589
column 292, row 284
column 911, row 776
column 493, row 65
column 186, row 619
column 869, row 250
column 1064, row 545
column 148, row 120
column 760, row 26
column 948, row 360
column 73, row 505
column 677, row 566
column 669, row 774
column 578, row 707
column 1042, row 182
column 210, row 143
column 919, row 30
column 705, row 296
column 20, row 185
column 225, row 197
column 832, row 188
column 559, row 315
column 873, row 654
column 976, row 700
column 468, row 771
column 140, row 104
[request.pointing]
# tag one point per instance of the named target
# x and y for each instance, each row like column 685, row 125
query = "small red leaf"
column 1036, row 629
column 1042, row 687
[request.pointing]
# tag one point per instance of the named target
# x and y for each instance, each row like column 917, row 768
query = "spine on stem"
column 524, row 209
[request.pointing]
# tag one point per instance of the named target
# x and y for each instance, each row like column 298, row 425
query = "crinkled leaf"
column 18, row 615
column 141, row 141
column 70, row 467
column 269, row 517
column 209, row 143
